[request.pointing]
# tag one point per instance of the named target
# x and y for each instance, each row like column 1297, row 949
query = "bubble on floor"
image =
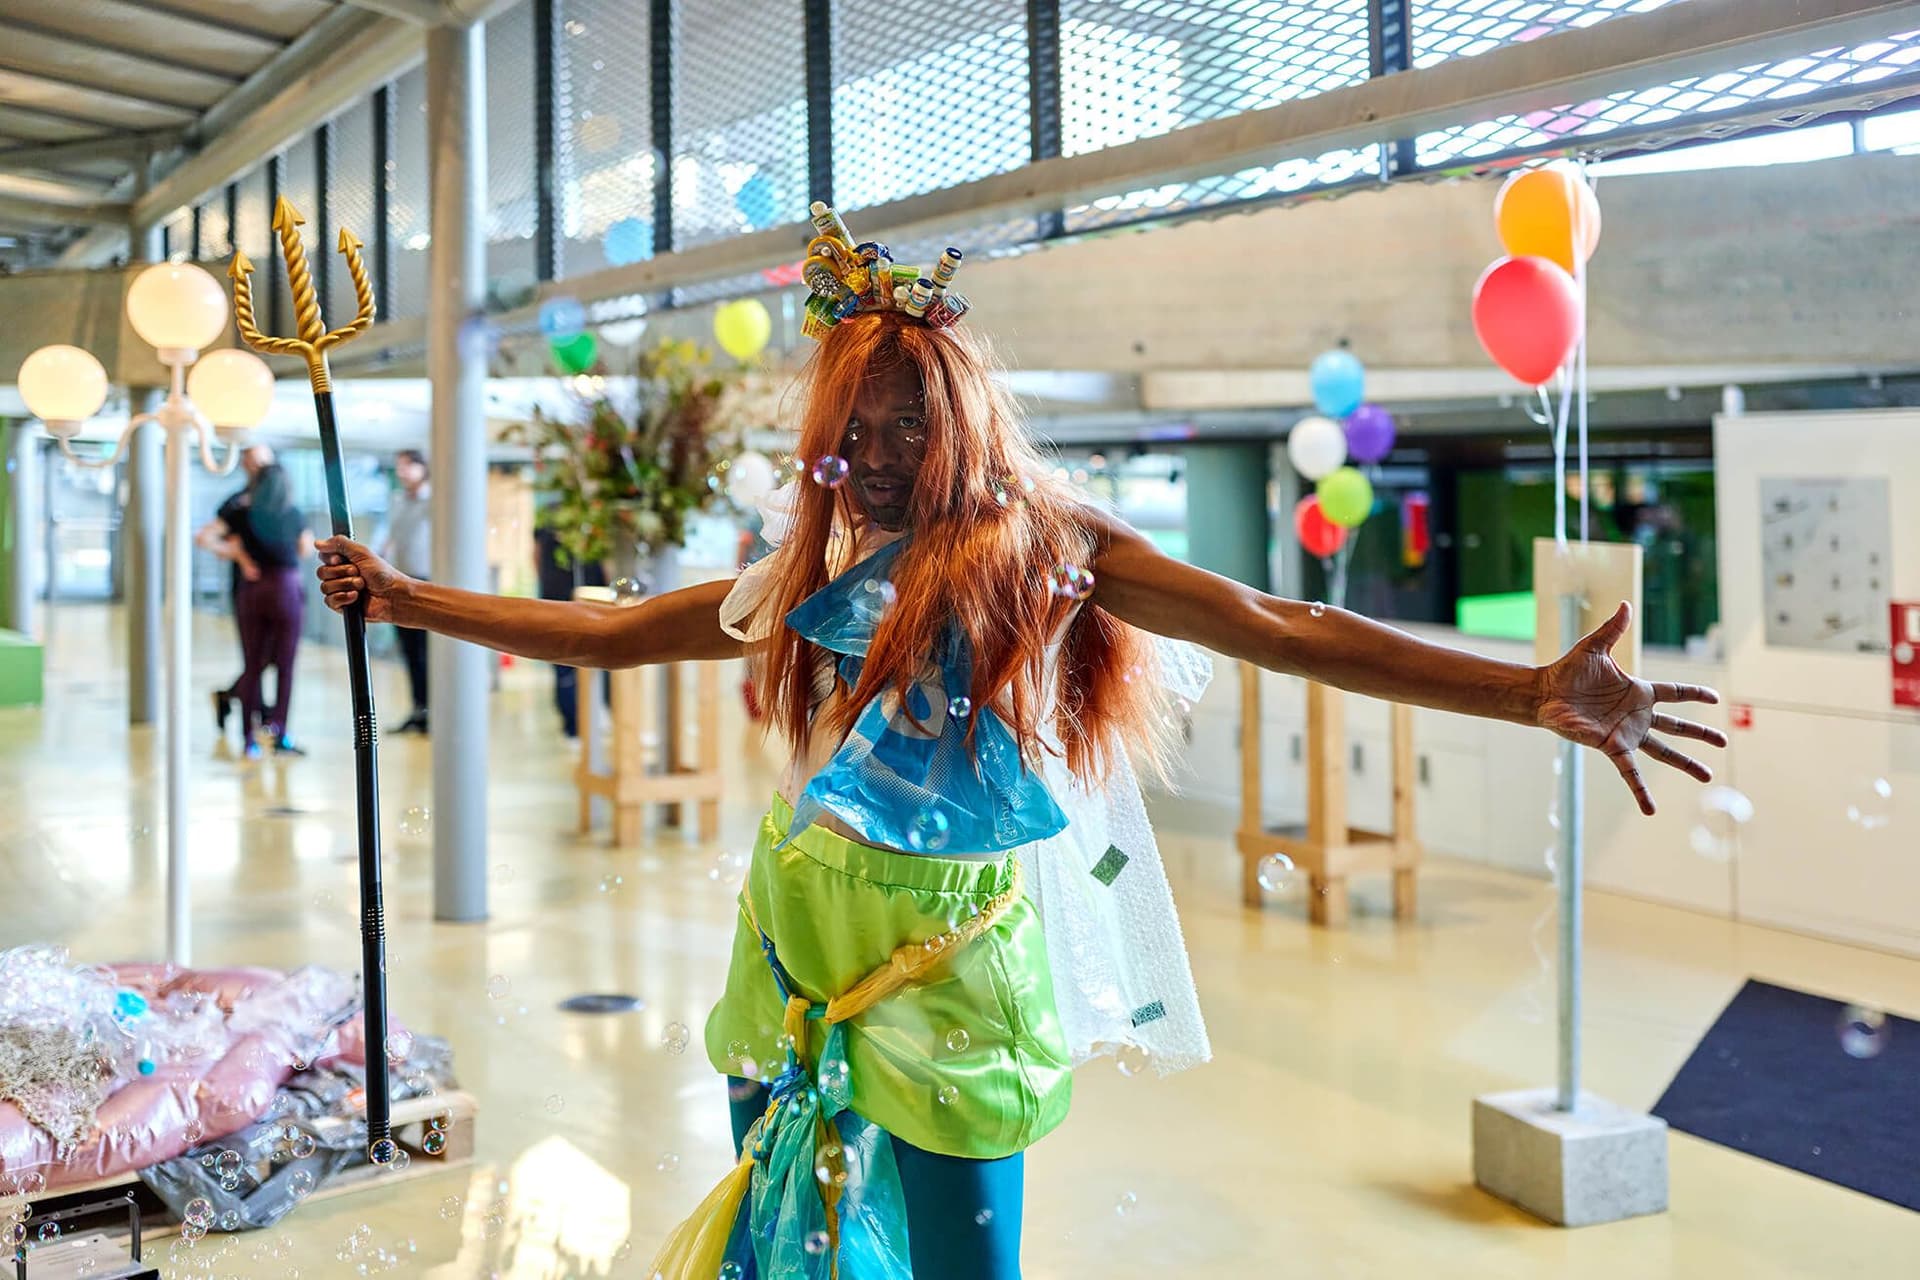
column 948, row 1095
column 958, row 1040
column 1132, row 1059
column 1126, row 1204
column 1275, row 873
column 1863, row 1031
column 674, row 1037
column 1870, row 806
column 499, row 986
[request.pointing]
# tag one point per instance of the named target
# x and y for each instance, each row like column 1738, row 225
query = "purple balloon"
column 1369, row 433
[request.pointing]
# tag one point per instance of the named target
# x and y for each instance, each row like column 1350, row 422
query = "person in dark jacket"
column 268, row 539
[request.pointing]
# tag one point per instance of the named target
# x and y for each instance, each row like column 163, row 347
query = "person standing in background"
column 557, row 583
column 409, row 546
column 268, row 540
column 216, row 536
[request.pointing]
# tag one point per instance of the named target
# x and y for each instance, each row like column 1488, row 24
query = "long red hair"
column 987, row 527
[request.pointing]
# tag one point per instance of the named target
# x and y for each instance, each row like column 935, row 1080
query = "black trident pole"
column 312, row 345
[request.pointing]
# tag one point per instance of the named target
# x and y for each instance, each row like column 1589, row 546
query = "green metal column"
column 1227, row 510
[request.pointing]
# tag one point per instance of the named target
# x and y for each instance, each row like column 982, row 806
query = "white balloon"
column 750, row 478
column 1317, row 447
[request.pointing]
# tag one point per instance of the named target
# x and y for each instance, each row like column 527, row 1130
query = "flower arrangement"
column 626, row 473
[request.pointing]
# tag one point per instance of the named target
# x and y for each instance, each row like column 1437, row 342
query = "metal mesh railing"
column 300, row 185
column 350, row 181
column 409, row 221
column 926, row 94
column 604, row 159
column 216, row 237
column 176, row 235
column 512, row 201
column 739, row 119
column 1799, row 86
column 253, row 232
column 1131, row 71
column 1445, row 29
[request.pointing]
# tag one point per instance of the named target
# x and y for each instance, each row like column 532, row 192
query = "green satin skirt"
column 972, row 1062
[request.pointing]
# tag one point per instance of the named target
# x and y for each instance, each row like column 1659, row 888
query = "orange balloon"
column 1544, row 212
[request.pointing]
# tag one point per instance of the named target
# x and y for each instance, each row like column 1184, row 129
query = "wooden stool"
column 1329, row 850
column 683, row 776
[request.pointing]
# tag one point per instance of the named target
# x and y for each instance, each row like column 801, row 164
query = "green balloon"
column 577, row 353
column 1346, row 497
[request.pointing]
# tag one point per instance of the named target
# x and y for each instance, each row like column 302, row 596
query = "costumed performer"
column 955, row 895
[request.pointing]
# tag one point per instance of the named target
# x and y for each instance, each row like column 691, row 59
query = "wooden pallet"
column 410, row 1128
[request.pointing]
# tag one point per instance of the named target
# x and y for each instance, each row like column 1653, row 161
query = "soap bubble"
column 230, row 1220
column 1275, row 873
column 478, row 340
column 737, row 1051
column 1868, row 806
column 555, row 1104
column 749, row 1069
column 384, row 1152
column 562, row 318
column 302, row 1145
column 200, row 1210
column 834, row 1075
column 730, row 1271
column 830, row 472
column 816, row 1242
column 1070, row 582
column 1863, row 1031
column 498, row 986
column 609, row 884
column 983, row 1217
column 440, row 1120
column 1126, row 1204
column 667, row 1163
column 49, row 1232
column 960, row 708
column 300, row 1182
column 450, row 1207
column 948, row 1095
column 958, row 1040
column 399, row 1045
column 675, row 1036
column 1723, row 811
column 30, row 1183
column 1131, row 1059
column 1317, row 609
column 227, row 1163
column 416, row 821
column 928, row 832
column 434, row 1142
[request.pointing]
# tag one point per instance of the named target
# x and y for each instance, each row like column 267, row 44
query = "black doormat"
column 1790, row 1077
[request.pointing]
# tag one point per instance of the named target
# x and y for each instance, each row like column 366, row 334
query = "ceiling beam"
column 117, row 146
column 427, row 13
column 216, row 24
column 62, row 80
column 45, row 213
column 100, row 42
column 1699, row 37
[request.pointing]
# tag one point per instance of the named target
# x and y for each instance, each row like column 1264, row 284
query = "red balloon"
column 1320, row 536
column 1527, row 313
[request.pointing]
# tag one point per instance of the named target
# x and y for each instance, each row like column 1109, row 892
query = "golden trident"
column 315, row 338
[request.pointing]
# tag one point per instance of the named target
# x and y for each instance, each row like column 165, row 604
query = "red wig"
column 987, row 527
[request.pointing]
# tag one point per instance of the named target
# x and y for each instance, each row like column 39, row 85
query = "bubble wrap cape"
column 1119, row 961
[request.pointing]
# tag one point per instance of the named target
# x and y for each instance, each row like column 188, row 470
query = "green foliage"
column 628, row 471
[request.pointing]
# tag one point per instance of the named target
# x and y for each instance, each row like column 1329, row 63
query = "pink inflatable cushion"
column 183, row 1104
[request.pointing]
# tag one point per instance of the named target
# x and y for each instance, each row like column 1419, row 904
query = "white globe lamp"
column 177, row 308
column 63, row 387
column 233, row 389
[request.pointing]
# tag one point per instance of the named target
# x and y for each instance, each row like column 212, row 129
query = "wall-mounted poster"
column 1826, row 559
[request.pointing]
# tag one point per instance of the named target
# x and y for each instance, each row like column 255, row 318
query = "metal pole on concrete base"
column 179, row 648
column 142, row 521
column 456, row 275
column 1572, row 852
column 23, row 512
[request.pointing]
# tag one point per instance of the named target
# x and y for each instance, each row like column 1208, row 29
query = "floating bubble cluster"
column 674, row 1037
column 830, row 472
column 1070, row 582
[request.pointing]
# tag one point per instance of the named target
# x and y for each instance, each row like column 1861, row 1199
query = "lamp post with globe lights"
column 178, row 309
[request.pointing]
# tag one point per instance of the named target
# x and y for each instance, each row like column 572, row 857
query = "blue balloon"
column 1339, row 383
column 562, row 318
column 756, row 203
column 628, row 241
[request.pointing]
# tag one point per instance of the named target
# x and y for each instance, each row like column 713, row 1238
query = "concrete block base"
column 1596, row 1163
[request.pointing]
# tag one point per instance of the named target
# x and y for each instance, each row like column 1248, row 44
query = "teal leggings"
column 963, row 1216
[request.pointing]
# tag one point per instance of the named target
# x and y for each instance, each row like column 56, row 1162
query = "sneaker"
column 415, row 723
column 222, row 708
column 285, row 747
column 253, row 751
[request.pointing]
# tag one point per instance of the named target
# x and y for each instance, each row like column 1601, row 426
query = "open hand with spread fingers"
column 1586, row 698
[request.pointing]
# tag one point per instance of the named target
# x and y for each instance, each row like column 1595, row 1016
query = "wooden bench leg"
column 1250, row 892
column 1405, row 895
column 1327, row 901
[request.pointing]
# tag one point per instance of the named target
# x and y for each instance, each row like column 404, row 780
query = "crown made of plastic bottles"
column 847, row 277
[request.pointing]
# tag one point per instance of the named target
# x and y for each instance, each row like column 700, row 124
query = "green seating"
column 20, row 670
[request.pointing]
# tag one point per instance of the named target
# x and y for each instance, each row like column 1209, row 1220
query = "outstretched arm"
column 680, row 626
column 1583, row 696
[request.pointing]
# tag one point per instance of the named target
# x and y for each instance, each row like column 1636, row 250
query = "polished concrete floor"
column 1328, row 1139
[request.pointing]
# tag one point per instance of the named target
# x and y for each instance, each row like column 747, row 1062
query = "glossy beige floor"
column 1328, row 1139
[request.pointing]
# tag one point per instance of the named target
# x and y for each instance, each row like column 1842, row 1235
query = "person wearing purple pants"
column 268, row 540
